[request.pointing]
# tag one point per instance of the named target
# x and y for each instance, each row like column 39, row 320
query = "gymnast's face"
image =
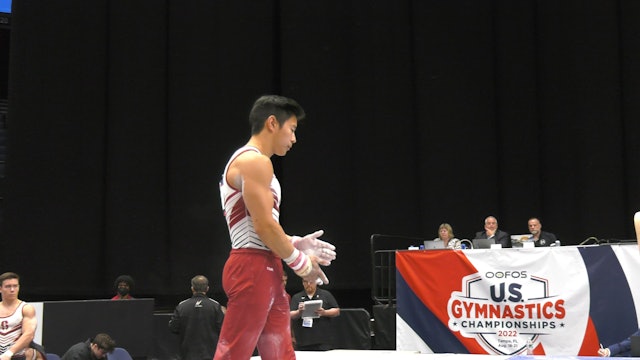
column 285, row 135
column 10, row 289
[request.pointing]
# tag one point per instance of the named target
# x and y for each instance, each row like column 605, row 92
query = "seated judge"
column 445, row 234
column 491, row 231
column 539, row 237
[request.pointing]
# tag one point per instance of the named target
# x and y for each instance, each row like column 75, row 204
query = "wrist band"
column 294, row 255
column 299, row 262
column 306, row 270
column 8, row 352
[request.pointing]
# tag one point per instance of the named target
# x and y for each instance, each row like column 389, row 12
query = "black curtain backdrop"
column 122, row 115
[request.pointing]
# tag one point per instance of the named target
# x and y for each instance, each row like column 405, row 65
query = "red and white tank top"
column 11, row 329
column 239, row 221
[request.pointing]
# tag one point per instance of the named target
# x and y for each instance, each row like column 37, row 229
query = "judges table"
column 561, row 301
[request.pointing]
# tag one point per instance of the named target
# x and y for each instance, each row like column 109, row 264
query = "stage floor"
column 382, row 354
column 409, row 355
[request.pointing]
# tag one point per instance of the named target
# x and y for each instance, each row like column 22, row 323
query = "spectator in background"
column 313, row 334
column 539, row 237
column 91, row 349
column 445, row 234
column 19, row 320
column 197, row 321
column 491, row 231
column 124, row 285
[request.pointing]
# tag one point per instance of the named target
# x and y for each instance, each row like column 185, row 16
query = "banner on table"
column 555, row 301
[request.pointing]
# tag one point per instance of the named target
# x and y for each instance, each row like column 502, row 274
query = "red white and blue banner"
column 558, row 301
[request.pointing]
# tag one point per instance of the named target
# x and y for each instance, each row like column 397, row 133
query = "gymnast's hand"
column 310, row 244
column 316, row 275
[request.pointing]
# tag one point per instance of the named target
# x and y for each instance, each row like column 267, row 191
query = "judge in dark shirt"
column 539, row 237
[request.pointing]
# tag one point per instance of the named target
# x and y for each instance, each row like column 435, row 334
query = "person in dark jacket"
column 92, row 349
column 621, row 349
column 491, row 231
column 197, row 321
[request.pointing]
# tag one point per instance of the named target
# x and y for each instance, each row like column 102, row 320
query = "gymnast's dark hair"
column 279, row 106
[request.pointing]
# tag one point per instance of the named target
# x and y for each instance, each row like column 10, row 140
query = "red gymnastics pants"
column 257, row 308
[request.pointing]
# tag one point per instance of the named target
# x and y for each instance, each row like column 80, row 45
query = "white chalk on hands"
column 310, row 244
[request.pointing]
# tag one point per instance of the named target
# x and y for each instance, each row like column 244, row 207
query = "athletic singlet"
column 239, row 221
column 11, row 329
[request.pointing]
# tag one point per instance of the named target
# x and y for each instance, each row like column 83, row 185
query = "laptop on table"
column 433, row 245
column 483, row 243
